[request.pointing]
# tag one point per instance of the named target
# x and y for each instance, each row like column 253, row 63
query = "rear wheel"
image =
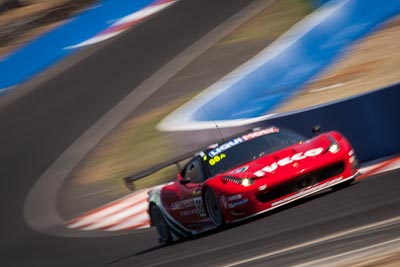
column 214, row 209
column 158, row 220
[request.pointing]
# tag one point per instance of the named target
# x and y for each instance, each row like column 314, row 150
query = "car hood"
column 285, row 162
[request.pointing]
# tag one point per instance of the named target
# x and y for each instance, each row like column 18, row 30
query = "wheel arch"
column 203, row 197
column 216, row 193
column 151, row 205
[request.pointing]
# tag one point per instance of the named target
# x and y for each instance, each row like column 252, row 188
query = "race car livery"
column 251, row 173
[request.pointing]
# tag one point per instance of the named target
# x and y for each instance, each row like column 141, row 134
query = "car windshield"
column 248, row 147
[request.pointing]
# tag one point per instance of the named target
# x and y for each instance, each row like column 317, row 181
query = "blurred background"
column 368, row 63
column 23, row 20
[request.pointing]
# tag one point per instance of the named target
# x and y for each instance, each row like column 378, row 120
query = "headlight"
column 334, row 146
column 247, row 181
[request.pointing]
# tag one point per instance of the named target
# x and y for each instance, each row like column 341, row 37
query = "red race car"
column 253, row 172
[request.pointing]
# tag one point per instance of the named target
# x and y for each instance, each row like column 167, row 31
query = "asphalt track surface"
column 38, row 127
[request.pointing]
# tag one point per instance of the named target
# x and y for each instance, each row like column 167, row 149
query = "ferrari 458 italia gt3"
column 253, row 172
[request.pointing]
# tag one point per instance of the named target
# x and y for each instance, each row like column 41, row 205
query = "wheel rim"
column 213, row 208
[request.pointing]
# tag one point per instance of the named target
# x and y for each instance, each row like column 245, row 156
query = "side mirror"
column 316, row 130
column 185, row 180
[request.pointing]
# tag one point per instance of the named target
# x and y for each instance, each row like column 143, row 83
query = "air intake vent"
column 301, row 182
column 233, row 179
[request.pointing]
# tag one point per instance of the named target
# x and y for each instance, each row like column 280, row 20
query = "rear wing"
column 130, row 180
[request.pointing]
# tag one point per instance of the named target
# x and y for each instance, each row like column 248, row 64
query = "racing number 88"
column 216, row 159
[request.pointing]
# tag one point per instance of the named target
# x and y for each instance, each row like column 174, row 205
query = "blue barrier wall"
column 53, row 46
column 261, row 89
column 371, row 122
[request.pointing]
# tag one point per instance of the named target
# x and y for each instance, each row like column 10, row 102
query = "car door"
column 193, row 214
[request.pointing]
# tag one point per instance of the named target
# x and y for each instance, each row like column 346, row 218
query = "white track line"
column 318, row 240
column 362, row 253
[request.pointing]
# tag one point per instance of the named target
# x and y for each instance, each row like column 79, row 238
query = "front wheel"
column 214, row 209
column 159, row 222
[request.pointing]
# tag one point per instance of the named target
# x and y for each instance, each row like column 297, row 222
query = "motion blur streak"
column 243, row 96
column 131, row 212
column 125, row 23
column 319, row 240
column 113, row 214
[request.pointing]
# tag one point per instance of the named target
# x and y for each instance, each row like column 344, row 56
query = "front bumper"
column 246, row 204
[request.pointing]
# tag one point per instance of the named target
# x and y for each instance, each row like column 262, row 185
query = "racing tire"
column 158, row 220
column 343, row 185
column 214, row 209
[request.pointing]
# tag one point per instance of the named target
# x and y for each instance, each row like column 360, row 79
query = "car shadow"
column 238, row 224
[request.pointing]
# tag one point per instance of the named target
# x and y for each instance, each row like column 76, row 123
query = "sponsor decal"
column 213, row 146
column 241, row 139
column 288, row 160
column 240, row 170
column 263, row 187
column 256, row 134
column 235, row 197
column 176, row 206
column 216, row 159
column 198, row 203
column 225, row 146
column 186, row 203
column 238, row 203
column 188, row 212
column 190, row 207
column 307, row 191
